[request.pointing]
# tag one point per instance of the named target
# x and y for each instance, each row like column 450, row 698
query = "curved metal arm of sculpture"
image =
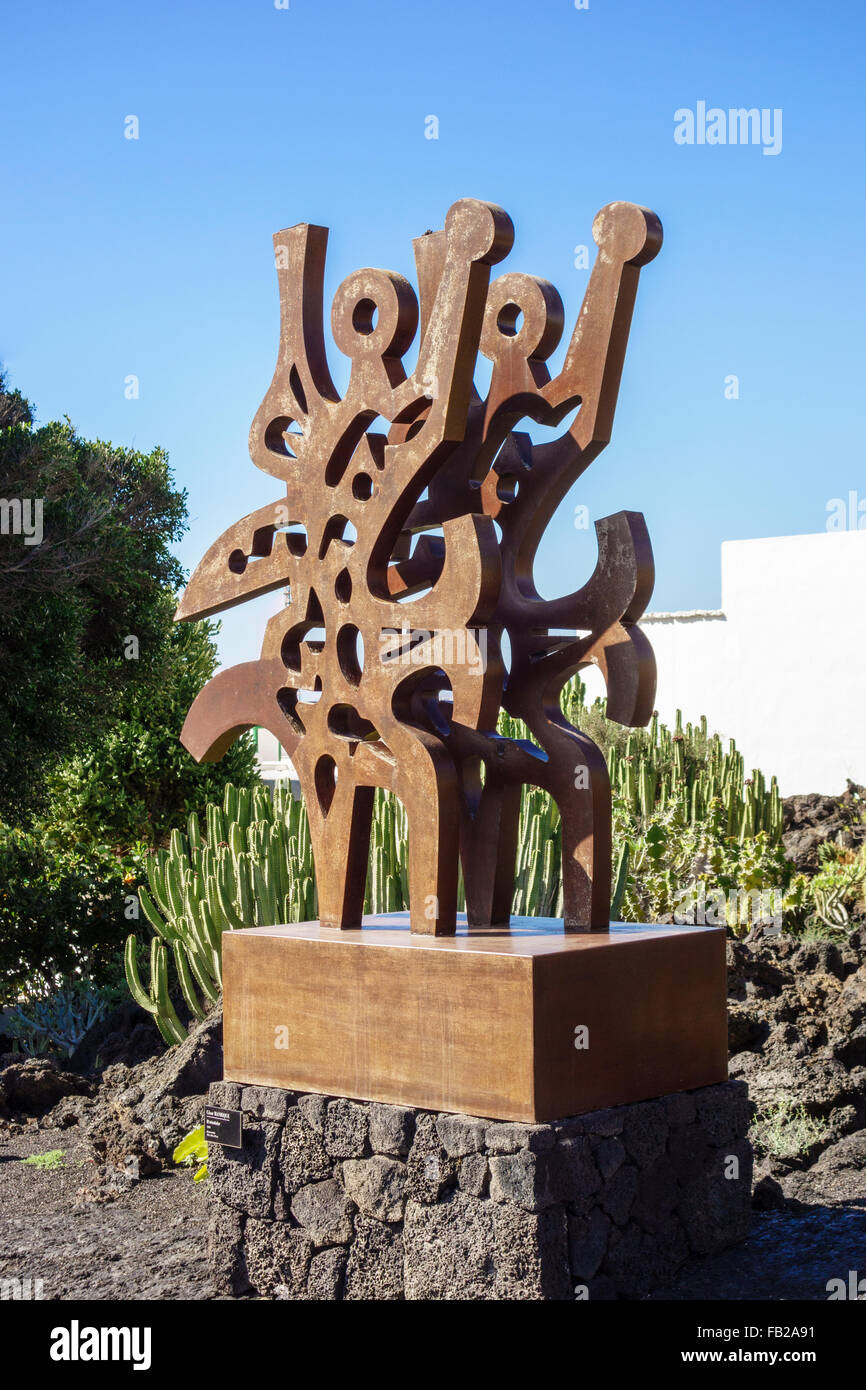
column 562, row 761
column 607, row 609
column 254, row 556
column 628, row 237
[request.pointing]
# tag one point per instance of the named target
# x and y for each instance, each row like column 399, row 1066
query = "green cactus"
column 253, row 869
column 156, row 1000
column 620, row 879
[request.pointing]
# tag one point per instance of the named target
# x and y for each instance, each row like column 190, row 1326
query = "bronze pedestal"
column 530, row 1023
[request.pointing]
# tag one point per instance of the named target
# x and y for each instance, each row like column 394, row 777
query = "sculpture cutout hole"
column 326, row 782
column 311, row 636
column 296, row 540
column 343, row 586
column 505, row 650
column 280, row 433
column 297, row 389
column 398, row 644
column 388, row 892
column 365, row 316
column 237, row 562
column 420, row 568
column 350, row 653
column 508, row 487
column 510, row 320
column 346, row 722
column 287, row 699
column 558, row 639
column 425, row 699
column 362, row 487
column 336, row 528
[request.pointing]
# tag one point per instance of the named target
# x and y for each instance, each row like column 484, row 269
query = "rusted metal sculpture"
column 408, row 555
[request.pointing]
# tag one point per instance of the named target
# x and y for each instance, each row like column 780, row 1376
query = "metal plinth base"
column 529, row 1023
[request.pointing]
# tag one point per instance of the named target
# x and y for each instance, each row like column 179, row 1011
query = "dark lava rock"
column 840, row 1169
column 32, row 1086
column 125, row 1035
column 812, row 819
column 797, row 1032
column 142, row 1112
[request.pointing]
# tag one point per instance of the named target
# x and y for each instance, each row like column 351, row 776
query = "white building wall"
column 274, row 764
column 782, row 668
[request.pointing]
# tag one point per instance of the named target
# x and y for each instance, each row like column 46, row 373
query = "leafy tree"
column 94, row 676
column 95, row 681
column 135, row 781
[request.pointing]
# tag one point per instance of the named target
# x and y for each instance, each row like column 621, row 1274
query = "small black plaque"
column 223, row 1127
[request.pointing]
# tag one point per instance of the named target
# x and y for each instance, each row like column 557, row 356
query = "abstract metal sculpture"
column 408, row 555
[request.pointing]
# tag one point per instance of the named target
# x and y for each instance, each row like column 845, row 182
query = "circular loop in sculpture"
column 374, row 312
column 536, row 336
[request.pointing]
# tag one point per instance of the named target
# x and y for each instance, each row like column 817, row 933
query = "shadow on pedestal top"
column 525, row 936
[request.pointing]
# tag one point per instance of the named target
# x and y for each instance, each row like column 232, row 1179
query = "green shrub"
column 48, row 1162
column 62, row 912
column 95, row 682
column 786, row 1130
column 104, row 571
column 134, row 781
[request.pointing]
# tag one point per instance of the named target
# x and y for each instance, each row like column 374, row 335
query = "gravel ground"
column 148, row 1242
column 789, row 1255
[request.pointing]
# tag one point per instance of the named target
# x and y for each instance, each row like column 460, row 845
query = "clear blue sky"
column 153, row 257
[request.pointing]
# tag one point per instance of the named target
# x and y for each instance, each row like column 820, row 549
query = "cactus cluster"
column 658, row 769
column 253, row 869
column 538, row 872
column 652, row 771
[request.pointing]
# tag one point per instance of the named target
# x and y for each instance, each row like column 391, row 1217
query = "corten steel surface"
column 482, row 1021
column 385, row 669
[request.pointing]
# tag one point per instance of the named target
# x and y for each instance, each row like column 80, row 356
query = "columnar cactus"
column 253, row 869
